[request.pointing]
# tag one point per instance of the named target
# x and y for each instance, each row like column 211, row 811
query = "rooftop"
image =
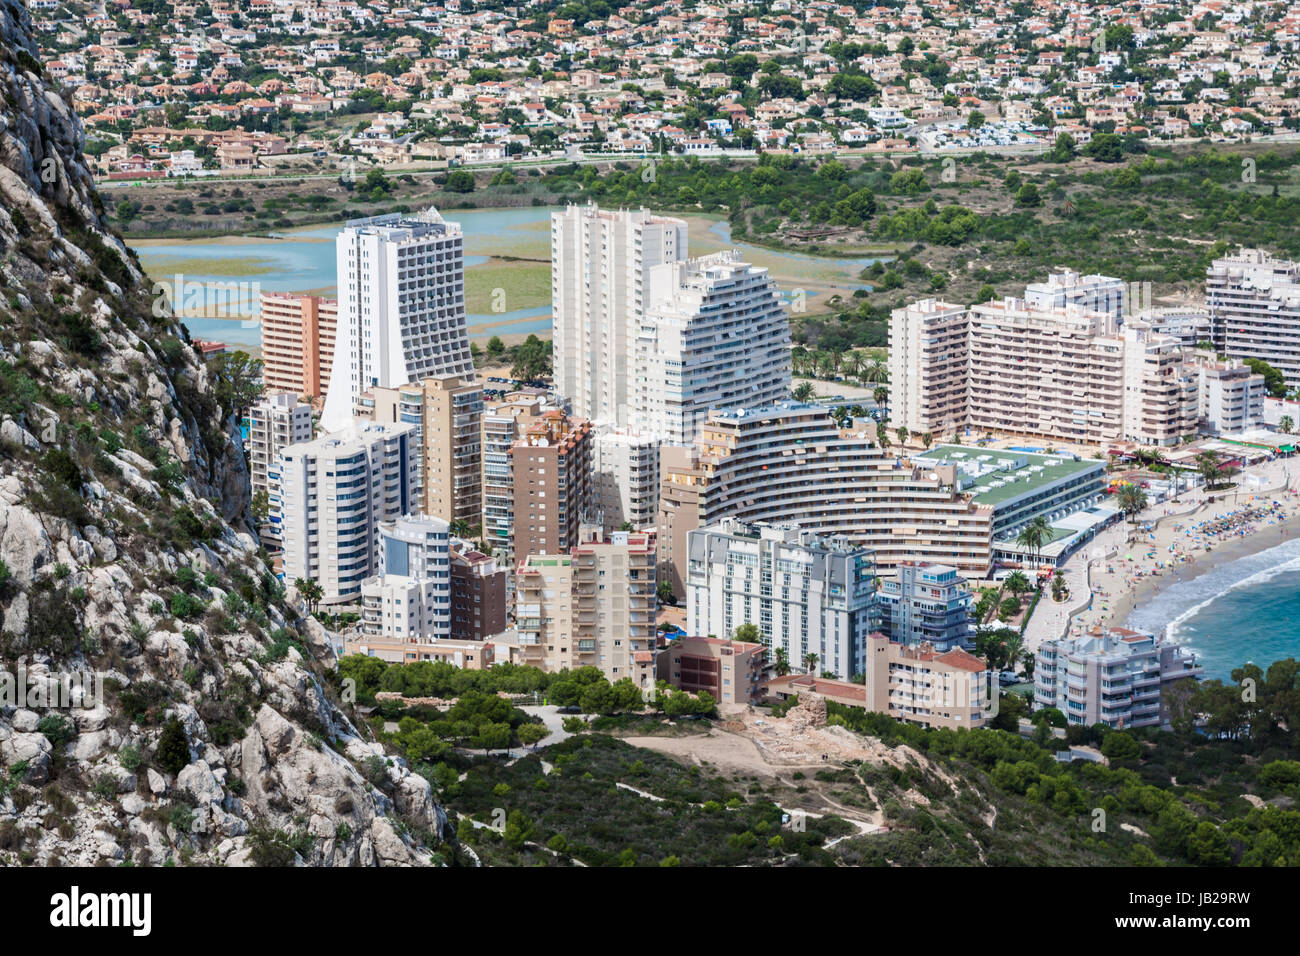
column 996, row 476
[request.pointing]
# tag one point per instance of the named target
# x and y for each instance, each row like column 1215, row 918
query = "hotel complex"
column 1018, row 486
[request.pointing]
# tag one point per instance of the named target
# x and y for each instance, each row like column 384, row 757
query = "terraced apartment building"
column 715, row 335
column 789, row 463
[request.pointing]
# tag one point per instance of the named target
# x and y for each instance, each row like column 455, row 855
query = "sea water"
column 1244, row 611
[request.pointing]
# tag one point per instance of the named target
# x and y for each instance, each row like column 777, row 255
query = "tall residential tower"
column 600, row 262
column 401, row 308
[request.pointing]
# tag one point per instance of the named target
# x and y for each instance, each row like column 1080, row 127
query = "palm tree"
column 799, row 359
column 804, row 391
column 927, row 439
column 1016, row 583
column 1015, row 644
column 782, row 665
column 876, row 372
column 1132, row 500
column 1286, row 424
column 1034, row 535
column 311, row 593
column 854, row 363
column 461, row 528
column 1058, row 586
column 882, row 435
column 1207, row 463
column 810, row 663
column 903, row 435
column 881, row 395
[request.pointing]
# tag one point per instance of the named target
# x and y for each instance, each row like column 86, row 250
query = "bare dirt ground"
column 749, row 744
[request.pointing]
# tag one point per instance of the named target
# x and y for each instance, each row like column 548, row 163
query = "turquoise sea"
column 1245, row 611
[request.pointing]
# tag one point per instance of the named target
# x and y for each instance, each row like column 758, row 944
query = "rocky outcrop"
column 204, row 728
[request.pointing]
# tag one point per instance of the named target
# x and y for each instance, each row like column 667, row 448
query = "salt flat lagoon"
column 506, row 249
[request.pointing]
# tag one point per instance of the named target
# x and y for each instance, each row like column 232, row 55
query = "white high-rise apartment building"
column 715, row 336
column 1231, row 398
column 807, row 594
column 417, row 546
column 626, row 476
column 410, row 598
column 401, row 308
column 274, row 423
column 335, row 491
column 600, row 260
column 1067, row 289
column 1254, row 302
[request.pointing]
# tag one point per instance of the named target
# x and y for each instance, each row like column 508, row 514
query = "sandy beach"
column 1171, row 541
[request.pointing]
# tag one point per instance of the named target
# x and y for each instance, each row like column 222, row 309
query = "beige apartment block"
column 468, row 655
column 731, row 672
column 928, row 359
column 447, row 411
column 1051, row 373
column 591, row 607
column 911, row 683
column 298, row 343
column 1013, row 367
column 1160, row 387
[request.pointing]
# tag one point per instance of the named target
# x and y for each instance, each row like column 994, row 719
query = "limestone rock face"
column 160, row 716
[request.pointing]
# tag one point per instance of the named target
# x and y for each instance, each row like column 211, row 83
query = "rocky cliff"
column 218, row 737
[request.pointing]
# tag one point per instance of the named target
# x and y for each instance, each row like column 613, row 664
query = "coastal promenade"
column 1180, row 539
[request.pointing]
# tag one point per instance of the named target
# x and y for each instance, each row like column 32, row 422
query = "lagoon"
column 303, row 260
